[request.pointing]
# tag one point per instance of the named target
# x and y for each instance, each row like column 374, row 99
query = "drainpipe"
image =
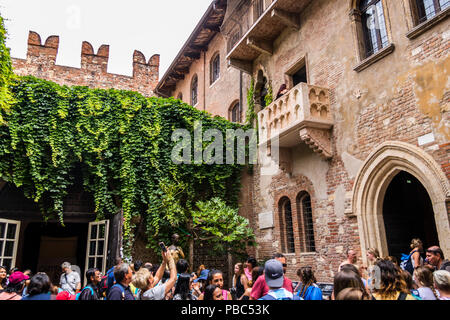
column 204, row 80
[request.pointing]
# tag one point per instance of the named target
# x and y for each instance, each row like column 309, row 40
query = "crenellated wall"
column 41, row 63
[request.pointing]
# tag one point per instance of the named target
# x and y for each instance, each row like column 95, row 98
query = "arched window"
column 180, row 96
column 215, row 68
column 194, row 90
column 286, row 227
column 427, row 9
column 374, row 26
column 235, row 112
column 304, row 211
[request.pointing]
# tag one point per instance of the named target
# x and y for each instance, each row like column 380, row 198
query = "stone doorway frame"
column 373, row 179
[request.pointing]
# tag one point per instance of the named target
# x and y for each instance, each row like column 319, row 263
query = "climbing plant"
column 5, row 70
column 122, row 142
column 251, row 114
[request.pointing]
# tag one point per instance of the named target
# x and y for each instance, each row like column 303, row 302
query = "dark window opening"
column 287, row 230
column 300, row 76
column 235, row 113
column 194, row 88
column 215, row 68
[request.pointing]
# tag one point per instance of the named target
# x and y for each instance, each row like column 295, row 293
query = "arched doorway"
column 376, row 180
column 407, row 214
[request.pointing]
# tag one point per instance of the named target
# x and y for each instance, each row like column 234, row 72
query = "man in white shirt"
column 70, row 280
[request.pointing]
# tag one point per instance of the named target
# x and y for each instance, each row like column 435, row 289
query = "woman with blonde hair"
column 240, row 281
column 442, row 284
column 416, row 249
column 424, row 279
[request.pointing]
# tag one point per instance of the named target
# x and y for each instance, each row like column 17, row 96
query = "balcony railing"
column 269, row 18
column 302, row 115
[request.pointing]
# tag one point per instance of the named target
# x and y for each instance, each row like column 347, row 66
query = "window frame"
column 286, row 229
column 194, row 95
column 234, row 105
column 306, row 223
column 214, row 68
column 373, row 42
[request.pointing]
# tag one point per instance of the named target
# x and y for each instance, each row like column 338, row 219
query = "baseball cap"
column 203, row 275
column 64, row 295
column 17, row 277
column 273, row 273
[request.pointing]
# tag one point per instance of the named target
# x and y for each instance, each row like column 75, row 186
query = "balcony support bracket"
column 242, row 65
column 319, row 140
column 260, row 45
column 287, row 18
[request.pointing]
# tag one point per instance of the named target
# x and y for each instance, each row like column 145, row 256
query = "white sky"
column 150, row 26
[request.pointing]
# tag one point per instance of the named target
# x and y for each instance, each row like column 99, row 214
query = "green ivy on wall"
column 122, row 142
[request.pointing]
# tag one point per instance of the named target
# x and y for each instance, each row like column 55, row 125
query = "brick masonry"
column 41, row 63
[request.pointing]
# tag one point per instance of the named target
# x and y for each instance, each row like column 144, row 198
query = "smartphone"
column 163, row 247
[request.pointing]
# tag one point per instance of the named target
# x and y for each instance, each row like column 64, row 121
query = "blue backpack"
column 406, row 263
column 77, row 297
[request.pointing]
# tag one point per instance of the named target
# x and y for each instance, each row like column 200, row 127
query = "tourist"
column 307, row 288
column 110, row 274
column 352, row 294
column 372, row 255
column 352, row 267
column 14, row 289
column 351, row 259
column 416, row 249
column 282, row 91
column 390, row 283
column 121, row 290
column 91, row 292
column 435, row 257
column 212, row 292
column 183, row 288
column 347, row 278
column 424, row 281
column 182, row 266
column 441, row 280
column 240, row 281
column 408, row 283
column 260, row 287
column 393, row 259
column 199, row 284
column 251, row 263
column 39, row 288
column 148, row 284
column 274, row 278
column 70, row 280
column 256, row 273
column 215, row 277
column 3, row 278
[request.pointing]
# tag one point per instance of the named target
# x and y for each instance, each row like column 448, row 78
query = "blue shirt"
column 41, row 296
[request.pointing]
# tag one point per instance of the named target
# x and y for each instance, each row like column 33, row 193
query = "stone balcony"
column 268, row 20
column 302, row 115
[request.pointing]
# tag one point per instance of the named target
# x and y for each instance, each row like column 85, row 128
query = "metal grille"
column 194, row 87
column 215, row 68
column 258, row 6
column 286, row 227
column 427, row 9
column 308, row 232
column 374, row 26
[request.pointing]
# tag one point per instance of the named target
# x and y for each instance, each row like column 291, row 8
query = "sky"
column 150, row 26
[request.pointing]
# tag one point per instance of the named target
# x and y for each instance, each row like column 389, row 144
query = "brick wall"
column 41, row 63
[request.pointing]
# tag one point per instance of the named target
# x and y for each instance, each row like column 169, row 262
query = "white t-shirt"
column 69, row 282
column 155, row 293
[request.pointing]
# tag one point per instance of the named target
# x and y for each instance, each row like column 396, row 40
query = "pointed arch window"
column 305, row 218
column 286, row 226
column 235, row 112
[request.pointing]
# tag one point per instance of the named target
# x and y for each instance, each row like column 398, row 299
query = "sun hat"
column 17, row 277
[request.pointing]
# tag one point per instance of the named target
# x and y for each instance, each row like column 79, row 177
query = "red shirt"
column 260, row 288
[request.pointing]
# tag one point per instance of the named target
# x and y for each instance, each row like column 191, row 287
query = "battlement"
column 41, row 62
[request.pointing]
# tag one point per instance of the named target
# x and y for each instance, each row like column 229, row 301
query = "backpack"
column 103, row 285
column 121, row 288
column 406, row 263
column 77, row 297
column 273, row 296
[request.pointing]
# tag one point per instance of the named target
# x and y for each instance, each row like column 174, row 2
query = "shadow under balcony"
column 266, row 27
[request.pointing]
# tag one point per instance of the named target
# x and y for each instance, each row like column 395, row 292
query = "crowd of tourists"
column 416, row 277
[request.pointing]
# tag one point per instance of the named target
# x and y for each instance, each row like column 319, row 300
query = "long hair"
column 209, row 292
column 415, row 243
column 347, row 279
column 3, row 281
column 390, row 279
column 307, row 277
column 183, row 287
column 239, row 274
column 424, row 277
column 256, row 273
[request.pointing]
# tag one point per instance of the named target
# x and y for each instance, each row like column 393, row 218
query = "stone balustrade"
column 302, row 115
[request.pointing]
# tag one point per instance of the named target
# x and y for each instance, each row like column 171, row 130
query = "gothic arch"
column 381, row 166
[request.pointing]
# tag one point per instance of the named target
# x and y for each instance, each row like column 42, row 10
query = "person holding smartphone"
column 147, row 283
